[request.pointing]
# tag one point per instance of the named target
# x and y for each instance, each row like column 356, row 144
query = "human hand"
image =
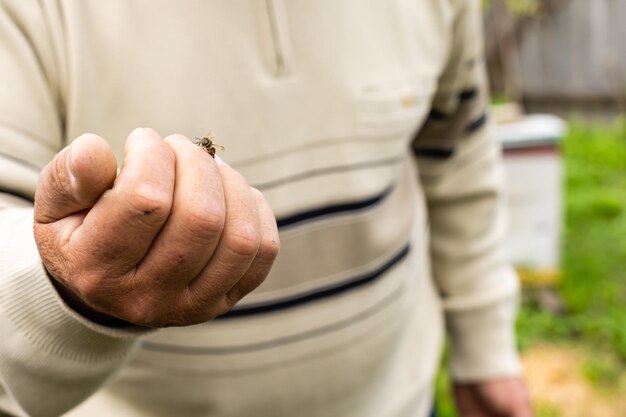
column 500, row 397
column 176, row 238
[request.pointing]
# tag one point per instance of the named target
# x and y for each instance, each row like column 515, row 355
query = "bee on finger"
column 208, row 145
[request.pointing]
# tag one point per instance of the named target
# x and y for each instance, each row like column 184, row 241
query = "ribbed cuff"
column 483, row 340
column 35, row 308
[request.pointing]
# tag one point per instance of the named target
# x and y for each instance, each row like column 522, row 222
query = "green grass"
column 594, row 246
column 593, row 287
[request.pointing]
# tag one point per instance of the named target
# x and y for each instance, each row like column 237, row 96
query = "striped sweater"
column 364, row 125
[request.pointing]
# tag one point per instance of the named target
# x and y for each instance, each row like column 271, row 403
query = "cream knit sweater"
column 364, row 124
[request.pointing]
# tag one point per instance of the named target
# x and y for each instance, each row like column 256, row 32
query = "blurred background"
column 558, row 77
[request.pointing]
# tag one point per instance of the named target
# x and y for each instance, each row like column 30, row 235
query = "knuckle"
column 204, row 221
column 269, row 248
column 59, row 176
column 232, row 298
column 54, row 183
column 149, row 203
column 225, row 305
column 243, row 288
column 196, row 309
column 243, row 241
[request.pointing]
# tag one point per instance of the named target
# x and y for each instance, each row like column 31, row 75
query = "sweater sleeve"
column 461, row 172
column 51, row 358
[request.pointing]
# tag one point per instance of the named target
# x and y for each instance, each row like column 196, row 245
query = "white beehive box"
column 534, row 194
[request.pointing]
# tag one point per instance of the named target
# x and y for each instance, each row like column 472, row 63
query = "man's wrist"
column 73, row 301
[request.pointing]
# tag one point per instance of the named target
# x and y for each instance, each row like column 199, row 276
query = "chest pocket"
column 393, row 109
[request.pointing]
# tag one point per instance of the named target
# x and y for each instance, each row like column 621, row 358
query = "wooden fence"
column 577, row 54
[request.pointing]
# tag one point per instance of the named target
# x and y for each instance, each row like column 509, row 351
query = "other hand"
column 176, row 238
column 500, row 397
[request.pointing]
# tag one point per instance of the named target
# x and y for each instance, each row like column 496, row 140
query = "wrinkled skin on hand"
column 176, row 238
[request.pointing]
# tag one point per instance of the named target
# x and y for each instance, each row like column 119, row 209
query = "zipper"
column 277, row 20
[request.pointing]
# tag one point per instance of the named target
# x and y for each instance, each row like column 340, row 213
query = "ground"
column 559, row 386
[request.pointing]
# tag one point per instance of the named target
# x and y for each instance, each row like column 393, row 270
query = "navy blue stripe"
column 477, row 124
column 468, row 94
column 269, row 344
column 462, row 160
column 437, row 115
column 465, row 95
column 436, row 153
column 333, row 209
column 355, row 282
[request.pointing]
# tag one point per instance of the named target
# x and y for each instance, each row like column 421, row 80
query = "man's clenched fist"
column 174, row 239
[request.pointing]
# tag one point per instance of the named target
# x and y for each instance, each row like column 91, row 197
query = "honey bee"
column 208, row 145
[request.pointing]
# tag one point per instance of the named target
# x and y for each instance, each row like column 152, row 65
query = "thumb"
column 75, row 179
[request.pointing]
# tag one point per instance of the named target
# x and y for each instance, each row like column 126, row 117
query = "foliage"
column 594, row 255
column 593, row 287
column 594, row 252
column 519, row 7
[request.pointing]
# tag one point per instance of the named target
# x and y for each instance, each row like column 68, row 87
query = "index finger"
column 121, row 226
